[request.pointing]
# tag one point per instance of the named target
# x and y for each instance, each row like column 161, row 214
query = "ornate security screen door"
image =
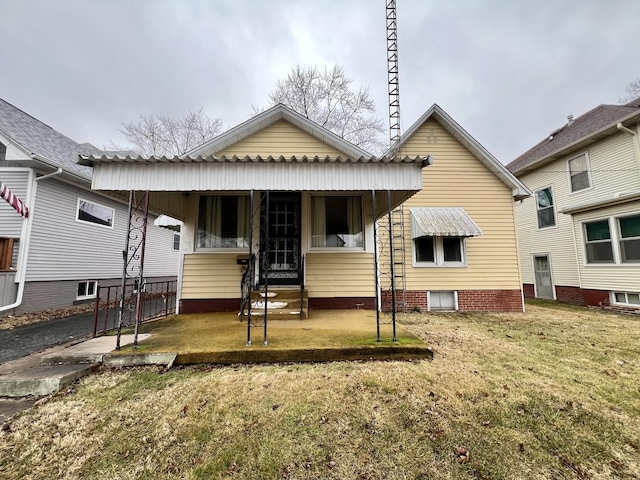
column 282, row 256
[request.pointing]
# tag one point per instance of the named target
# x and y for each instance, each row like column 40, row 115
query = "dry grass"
column 550, row 394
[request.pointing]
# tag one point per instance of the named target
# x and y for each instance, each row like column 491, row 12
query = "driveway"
column 27, row 339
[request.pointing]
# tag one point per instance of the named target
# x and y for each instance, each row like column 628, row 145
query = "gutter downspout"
column 636, row 142
column 23, row 255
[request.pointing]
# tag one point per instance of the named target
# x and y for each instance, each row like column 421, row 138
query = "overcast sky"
column 508, row 71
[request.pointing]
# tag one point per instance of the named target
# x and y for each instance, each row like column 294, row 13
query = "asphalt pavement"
column 27, row 339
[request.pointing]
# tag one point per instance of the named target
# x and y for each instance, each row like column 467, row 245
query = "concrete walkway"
column 24, row 380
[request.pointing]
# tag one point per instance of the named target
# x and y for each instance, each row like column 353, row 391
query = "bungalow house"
column 63, row 238
column 580, row 236
column 306, row 203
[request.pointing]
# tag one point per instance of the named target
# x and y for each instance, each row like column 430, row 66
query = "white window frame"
column 85, row 222
column 313, row 249
column 174, row 241
column 439, row 254
column 614, row 301
column 198, row 249
column 619, row 239
column 555, row 213
column 586, row 159
column 612, row 239
column 87, row 282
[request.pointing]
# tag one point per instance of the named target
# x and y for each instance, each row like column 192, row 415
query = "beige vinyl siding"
column 340, row 274
column 217, row 275
column 458, row 179
column 211, row 275
column 281, row 138
column 613, row 169
column 621, row 277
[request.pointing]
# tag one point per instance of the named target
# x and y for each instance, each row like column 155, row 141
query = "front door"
column 280, row 223
column 542, row 271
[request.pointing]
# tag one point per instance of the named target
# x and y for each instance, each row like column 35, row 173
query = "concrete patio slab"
column 42, row 380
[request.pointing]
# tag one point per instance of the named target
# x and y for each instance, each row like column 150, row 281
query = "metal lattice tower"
column 397, row 218
column 393, row 78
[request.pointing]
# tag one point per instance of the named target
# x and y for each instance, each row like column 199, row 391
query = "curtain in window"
column 319, row 227
column 354, row 222
column 243, row 221
column 210, row 224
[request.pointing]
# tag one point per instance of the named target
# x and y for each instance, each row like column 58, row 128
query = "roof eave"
column 581, row 142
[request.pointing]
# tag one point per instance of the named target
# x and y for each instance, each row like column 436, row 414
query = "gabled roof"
column 268, row 118
column 38, row 139
column 584, row 130
column 518, row 189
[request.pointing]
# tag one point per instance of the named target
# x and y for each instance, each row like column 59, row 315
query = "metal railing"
column 158, row 300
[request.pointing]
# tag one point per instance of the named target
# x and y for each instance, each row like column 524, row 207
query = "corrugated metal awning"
column 442, row 222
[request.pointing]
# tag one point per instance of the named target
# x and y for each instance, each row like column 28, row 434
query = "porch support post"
column 250, row 268
column 392, row 270
column 375, row 263
column 141, row 286
column 266, row 266
column 125, row 255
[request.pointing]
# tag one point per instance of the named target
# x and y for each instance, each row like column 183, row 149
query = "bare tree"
column 329, row 99
column 632, row 91
column 161, row 134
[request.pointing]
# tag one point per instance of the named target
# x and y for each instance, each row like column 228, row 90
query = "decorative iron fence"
column 158, row 300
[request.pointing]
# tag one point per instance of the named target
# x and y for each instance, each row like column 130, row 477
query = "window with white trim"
column 598, row 243
column 87, row 289
column 629, row 229
column 223, row 221
column 176, row 241
column 439, row 251
column 579, row 176
column 90, row 212
column 626, row 298
column 545, row 208
column 336, row 221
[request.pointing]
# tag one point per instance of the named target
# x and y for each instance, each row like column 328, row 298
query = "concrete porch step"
column 42, row 380
column 280, row 314
column 283, row 294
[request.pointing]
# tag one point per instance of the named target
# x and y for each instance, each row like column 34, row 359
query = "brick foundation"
column 529, row 290
column 468, row 300
column 490, row 301
column 572, row 295
column 343, row 303
column 596, row 298
column 206, row 305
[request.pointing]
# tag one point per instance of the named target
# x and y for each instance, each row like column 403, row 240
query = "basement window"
column 443, row 301
column 626, row 298
column 87, row 289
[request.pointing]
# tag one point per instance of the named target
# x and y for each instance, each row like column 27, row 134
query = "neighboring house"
column 312, row 194
column 580, row 234
column 72, row 237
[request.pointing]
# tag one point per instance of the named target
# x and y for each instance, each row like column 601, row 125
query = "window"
column 223, row 221
column 599, row 246
column 445, row 301
column 6, row 253
column 176, row 241
column 579, row 173
column 626, row 298
column 3, row 151
column 444, row 251
column 544, row 205
column 337, row 222
column 629, row 238
column 90, row 212
column 87, row 289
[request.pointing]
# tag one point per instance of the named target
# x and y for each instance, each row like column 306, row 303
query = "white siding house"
column 72, row 235
column 579, row 235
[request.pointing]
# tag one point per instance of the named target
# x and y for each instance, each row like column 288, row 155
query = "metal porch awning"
column 442, row 222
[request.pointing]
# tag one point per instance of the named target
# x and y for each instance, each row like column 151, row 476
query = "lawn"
column 553, row 393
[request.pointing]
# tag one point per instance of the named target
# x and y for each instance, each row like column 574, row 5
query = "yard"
column 553, row 393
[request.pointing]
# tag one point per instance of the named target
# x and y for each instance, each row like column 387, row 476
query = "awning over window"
column 442, row 222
